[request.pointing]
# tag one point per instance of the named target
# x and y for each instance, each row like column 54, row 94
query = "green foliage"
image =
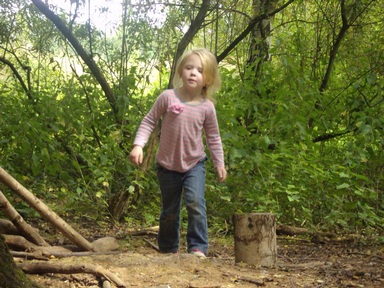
column 313, row 157
column 275, row 166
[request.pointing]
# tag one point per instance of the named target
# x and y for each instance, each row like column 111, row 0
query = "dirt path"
column 300, row 264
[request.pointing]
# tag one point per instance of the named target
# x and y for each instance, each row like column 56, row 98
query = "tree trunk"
column 335, row 48
column 249, row 29
column 259, row 40
column 87, row 58
column 196, row 25
column 255, row 239
column 10, row 275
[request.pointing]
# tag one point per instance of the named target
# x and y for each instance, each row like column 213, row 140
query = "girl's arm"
column 212, row 134
column 146, row 127
column 150, row 120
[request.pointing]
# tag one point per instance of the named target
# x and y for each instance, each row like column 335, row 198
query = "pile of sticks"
column 20, row 235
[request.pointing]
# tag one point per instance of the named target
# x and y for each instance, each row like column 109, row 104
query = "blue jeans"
column 171, row 186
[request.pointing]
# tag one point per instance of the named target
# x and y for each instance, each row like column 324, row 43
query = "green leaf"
column 131, row 189
column 343, row 186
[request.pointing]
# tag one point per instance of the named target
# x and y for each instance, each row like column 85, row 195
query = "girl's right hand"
column 221, row 173
column 136, row 155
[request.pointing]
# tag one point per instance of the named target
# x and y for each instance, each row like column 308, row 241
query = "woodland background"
column 300, row 109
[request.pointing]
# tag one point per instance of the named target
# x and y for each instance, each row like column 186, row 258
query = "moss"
column 11, row 276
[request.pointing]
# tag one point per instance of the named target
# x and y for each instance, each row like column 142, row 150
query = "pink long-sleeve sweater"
column 181, row 142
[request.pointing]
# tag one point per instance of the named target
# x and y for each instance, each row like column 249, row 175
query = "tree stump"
column 255, row 239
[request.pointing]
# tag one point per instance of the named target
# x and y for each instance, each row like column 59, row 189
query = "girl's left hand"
column 221, row 173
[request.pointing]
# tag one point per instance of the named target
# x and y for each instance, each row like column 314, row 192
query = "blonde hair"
column 210, row 67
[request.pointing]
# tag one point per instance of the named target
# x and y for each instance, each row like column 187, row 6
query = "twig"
column 151, row 244
column 258, row 282
column 80, row 254
column 203, row 286
column 143, row 233
column 28, row 256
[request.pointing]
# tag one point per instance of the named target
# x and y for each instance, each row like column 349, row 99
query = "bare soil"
column 301, row 263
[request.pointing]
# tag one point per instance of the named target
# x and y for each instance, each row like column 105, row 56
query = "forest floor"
column 301, row 263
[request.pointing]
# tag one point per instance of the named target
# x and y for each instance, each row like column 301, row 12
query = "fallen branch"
column 257, row 282
column 151, row 244
column 295, row 239
column 204, row 286
column 42, row 255
column 317, row 237
column 25, row 229
column 149, row 231
column 19, row 242
column 42, row 268
column 32, row 251
column 291, row 230
column 142, row 233
column 15, row 241
column 307, row 265
column 28, row 255
column 81, row 254
column 7, row 227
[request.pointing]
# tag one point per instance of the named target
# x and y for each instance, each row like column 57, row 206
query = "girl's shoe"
column 198, row 253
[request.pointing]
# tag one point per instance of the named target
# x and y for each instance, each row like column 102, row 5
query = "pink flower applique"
column 176, row 108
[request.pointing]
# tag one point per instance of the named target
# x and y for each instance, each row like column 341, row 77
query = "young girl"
column 186, row 111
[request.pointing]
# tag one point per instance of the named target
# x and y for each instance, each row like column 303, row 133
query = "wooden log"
column 46, row 255
column 45, row 211
column 42, row 268
column 19, row 242
column 29, row 255
column 291, row 230
column 7, row 227
column 255, row 239
column 25, row 229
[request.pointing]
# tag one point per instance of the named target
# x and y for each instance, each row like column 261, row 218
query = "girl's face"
column 192, row 73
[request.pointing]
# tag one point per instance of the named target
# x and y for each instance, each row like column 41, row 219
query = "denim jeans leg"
column 171, row 191
column 194, row 188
